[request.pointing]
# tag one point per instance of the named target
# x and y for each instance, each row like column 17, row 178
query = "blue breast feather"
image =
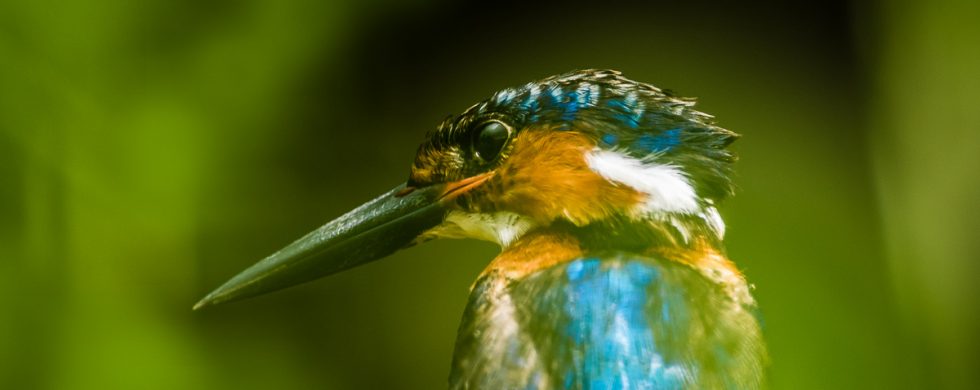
column 607, row 322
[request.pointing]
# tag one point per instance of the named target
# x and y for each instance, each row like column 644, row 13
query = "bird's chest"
column 614, row 321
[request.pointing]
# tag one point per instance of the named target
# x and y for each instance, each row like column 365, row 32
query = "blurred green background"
column 151, row 149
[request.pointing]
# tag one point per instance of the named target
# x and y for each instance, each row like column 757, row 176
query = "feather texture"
column 607, row 321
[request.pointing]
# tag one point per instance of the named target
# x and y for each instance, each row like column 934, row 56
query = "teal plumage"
column 609, row 321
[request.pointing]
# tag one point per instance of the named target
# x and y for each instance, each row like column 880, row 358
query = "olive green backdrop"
column 149, row 150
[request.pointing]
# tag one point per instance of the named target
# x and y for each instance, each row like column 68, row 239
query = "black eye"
column 489, row 139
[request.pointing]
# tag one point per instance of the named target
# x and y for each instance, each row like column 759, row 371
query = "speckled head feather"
column 613, row 111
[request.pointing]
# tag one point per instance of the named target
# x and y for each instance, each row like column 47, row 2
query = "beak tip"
column 209, row 300
column 201, row 304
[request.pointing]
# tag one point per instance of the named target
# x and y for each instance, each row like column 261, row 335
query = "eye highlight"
column 489, row 139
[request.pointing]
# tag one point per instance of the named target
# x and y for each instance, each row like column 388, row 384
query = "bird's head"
column 573, row 151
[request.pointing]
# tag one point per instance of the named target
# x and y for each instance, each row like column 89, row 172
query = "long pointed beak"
column 374, row 230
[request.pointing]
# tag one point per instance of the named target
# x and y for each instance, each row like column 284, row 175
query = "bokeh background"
column 151, row 149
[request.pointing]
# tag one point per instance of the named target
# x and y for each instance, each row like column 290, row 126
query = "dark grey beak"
column 374, row 230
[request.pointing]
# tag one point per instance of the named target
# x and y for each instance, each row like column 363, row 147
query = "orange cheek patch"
column 547, row 178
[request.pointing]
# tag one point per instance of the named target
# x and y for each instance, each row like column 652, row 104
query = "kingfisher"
column 601, row 192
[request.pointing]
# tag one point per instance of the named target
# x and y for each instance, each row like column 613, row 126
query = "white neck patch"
column 668, row 191
column 667, row 188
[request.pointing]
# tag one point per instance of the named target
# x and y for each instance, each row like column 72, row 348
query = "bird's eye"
column 489, row 139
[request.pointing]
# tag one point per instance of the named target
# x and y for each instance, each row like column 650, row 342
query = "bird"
column 602, row 194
